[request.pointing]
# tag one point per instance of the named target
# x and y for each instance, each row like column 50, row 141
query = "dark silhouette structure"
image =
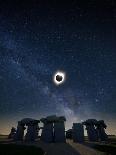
column 96, row 130
column 20, row 131
column 69, row 134
column 53, row 129
column 78, row 133
column 32, row 130
column 91, row 130
column 12, row 133
column 101, row 126
column 47, row 131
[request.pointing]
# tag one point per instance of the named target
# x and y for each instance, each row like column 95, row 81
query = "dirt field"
column 68, row 148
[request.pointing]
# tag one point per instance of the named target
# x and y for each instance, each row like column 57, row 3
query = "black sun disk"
column 59, row 78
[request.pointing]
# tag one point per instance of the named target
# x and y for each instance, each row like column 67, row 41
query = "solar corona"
column 59, row 77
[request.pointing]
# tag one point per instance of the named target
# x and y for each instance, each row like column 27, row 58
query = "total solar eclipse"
column 59, row 77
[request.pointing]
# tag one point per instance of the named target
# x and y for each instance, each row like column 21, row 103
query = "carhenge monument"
column 95, row 131
column 100, row 127
column 91, row 130
column 53, row 129
column 32, row 130
column 78, row 132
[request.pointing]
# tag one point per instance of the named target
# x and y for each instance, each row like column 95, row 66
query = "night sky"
column 37, row 39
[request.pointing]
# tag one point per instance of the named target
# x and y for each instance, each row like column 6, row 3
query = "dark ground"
column 8, row 147
column 13, row 149
column 108, row 149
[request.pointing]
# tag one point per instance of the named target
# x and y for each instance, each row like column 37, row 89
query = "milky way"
column 36, row 40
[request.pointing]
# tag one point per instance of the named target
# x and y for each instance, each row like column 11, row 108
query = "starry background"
column 37, row 38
